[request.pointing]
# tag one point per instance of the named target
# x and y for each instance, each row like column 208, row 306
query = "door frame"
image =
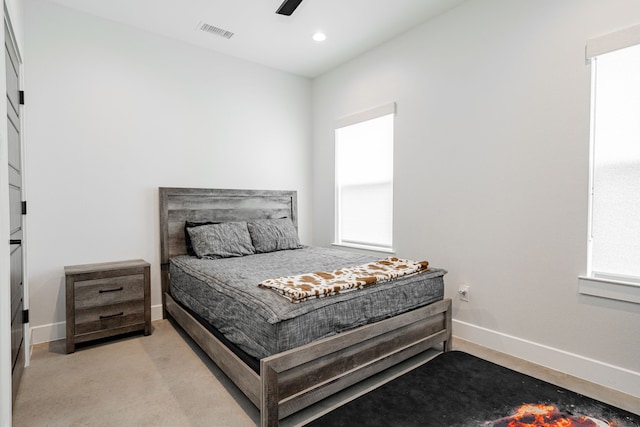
column 23, row 162
column 6, row 402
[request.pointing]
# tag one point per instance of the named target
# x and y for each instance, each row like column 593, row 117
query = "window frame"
column 616, row 287
column 361, row 117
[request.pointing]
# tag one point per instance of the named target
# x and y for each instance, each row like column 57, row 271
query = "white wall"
column 491, row 172
column 113, row 114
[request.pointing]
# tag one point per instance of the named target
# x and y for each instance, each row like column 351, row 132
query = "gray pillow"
column 187, row 238
column 269, row 235
column 224, row 240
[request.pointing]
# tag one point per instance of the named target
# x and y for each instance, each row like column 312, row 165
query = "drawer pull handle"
column 102, row 291
column 112, row 315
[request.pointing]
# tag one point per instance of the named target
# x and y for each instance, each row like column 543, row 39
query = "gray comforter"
column 225, row 292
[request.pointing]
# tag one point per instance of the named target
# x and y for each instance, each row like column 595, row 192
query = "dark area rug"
column 457, row 389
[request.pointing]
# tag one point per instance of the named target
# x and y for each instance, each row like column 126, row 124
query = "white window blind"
column 364, row 179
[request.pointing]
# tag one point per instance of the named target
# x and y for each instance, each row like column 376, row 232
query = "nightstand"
column 107, row 299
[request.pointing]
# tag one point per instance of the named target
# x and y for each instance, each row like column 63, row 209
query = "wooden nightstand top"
column 104, row 266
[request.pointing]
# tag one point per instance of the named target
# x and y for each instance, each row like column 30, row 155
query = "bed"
column 286, row 376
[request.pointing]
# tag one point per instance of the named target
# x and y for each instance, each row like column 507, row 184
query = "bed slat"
column 340, row 382
column 361, row 352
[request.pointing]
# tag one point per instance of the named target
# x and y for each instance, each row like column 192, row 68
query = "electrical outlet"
column 463, row 292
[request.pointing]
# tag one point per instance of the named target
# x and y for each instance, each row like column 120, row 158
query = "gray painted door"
column 15, row 206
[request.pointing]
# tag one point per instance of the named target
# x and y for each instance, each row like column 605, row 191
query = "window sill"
column 607, row 288
column 365, row 247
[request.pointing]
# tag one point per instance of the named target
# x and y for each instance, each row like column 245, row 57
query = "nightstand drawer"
column 109, row 316
column 108, row 290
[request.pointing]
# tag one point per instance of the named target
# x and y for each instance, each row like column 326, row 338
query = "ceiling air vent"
column 208, row 28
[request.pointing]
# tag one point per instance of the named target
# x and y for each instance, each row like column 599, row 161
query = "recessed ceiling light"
column 319, row 37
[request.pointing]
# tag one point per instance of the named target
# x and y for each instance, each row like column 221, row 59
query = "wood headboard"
column 178, row 205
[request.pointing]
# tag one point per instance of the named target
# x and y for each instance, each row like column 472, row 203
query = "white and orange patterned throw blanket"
column 323, row 284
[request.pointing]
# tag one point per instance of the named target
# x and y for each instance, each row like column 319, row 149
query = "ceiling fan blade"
column 288, row 6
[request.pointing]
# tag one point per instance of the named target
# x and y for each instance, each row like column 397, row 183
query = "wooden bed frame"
column 297, row 378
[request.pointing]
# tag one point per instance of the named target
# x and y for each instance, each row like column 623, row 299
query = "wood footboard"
column 295, row 379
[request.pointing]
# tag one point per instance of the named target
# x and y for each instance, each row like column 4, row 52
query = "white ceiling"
column 260, row 35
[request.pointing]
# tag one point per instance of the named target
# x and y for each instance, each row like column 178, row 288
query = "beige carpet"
column 165, row 380
column 157, row 380
column 160, row 380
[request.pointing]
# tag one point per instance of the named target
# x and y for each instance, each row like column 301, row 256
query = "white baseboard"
column 594, row 371
column 156, row 312
column 50, row 332
column 58, row 331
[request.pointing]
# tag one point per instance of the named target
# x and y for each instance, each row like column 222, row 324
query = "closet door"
column 16, row 211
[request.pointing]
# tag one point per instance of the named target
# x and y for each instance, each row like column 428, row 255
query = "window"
column 364, row 179
column 614, row 222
